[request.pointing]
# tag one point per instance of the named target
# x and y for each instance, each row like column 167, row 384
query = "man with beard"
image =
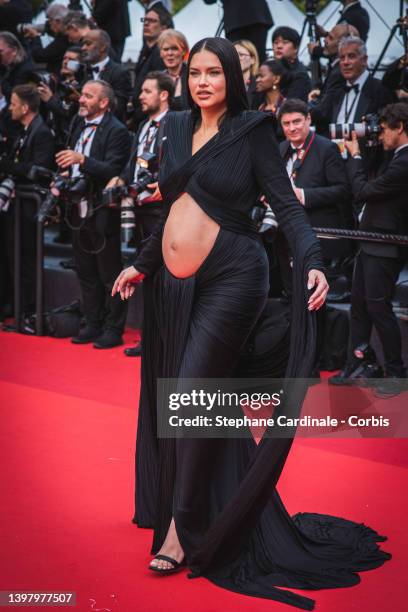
column 155, row 99
column 99, row 149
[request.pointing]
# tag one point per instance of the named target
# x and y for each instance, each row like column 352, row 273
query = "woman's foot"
column 171, row 548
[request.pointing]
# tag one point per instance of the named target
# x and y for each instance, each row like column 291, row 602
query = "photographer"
column 361, row 95
column 52, row 54
column 34, row 146
column 62, row 104
column 95, row 53
column 155, row 99
column 99, row 149
column 378, row 265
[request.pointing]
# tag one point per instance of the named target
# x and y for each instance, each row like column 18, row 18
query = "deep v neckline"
column 190, row 140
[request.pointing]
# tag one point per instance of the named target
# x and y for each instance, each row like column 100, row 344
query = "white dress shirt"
column 144, row 134
column 83, row 145
column 350, row 100
column 99, row 67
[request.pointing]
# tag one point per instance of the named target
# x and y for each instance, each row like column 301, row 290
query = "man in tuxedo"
column 362, row 94
column 247, row 21
column 155, row 99
column 99, row 149
column 316, row 170
column 378, row 265
column 285, row 44
column 113, row 17
column 354, row 14
column 33, row 146
column 95, row 52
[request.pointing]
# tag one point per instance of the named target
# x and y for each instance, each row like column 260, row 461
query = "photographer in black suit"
column 99, row 149
column 362, row 94
column 248, row 21
column 155, row 99
column 95, row 52
column 378, row 265
column 53, row 53
column 33, row 146
column 113, row 17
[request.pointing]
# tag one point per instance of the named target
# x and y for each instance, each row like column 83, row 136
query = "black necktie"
column 348, row 88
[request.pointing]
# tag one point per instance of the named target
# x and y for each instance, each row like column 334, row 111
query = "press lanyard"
column 85, row 139
column 347, row 112
column 301, row 155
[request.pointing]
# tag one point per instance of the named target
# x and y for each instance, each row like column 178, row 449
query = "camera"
column 311, row 7
column 7, row 186
column 369, row 129
column 124, row 196
column 42, row 28
column 70, row 190
column 264, row 218
column 42, row 77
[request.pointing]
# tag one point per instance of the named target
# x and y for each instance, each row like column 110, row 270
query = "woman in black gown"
column 212, row 502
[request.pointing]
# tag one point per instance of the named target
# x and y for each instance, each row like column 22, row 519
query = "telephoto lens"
column 127, row 219
column 269, row 222
column 6, row 191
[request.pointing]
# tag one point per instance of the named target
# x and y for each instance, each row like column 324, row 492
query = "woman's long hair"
column 236, row 97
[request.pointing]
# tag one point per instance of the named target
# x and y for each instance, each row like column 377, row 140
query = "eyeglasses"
column 241, row 55
column 149, row 20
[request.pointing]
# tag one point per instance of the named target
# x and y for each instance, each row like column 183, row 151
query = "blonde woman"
column 174, row 51
column 249, row 60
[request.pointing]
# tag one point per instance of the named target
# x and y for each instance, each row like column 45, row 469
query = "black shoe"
column 68, row 264
column 109, row 339
column 359, row 373
column 176, row 567
column 87, row 334
column 390, row 387
column 133, row 351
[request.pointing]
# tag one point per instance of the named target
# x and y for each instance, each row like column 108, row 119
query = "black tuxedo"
column 357, row 16
column 113, row 17
column 373, row 97
column 323, row 178
column 377, row 266
column 96, row 242
column 119, row 78
column 334, row 79
column 35, row 146
column 16, row 74
column 149, row 59
column 247, row 20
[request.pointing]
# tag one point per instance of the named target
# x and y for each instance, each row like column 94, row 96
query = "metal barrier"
column 330, row 232
column 36, row 194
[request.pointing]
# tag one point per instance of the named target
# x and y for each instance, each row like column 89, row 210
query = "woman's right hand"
column 125, row 283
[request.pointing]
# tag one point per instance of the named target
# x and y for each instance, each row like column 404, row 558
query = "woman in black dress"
column 212, row 502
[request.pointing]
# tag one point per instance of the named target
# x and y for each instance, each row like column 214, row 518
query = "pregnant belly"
column 188, row 237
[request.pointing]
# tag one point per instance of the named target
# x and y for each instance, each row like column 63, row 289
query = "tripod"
column 311, row 23
column 402, row 26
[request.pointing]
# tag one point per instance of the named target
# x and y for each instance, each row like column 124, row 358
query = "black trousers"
column 372, row 291
column 256, row 33
column 97, row 253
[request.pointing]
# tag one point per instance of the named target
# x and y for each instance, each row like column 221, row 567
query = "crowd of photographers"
column 86, row 129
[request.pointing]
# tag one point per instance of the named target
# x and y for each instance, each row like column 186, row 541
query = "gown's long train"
column 229, row 518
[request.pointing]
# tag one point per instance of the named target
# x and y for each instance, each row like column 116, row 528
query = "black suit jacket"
column 385, row 199
column 51, row 55
column 129, row 171
column 119, row 78
column 374, row 96
column 149, row 59
column 323, row 177
column 300, row 84
column 241, row 13
column 109, row 152
column 357, row 16
column 15, row 12
column 113, row 17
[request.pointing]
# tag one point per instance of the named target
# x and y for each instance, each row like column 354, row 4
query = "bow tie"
column 355, row 88
column 95, row 69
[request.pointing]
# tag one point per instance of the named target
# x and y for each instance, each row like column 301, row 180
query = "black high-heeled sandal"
column 168, row 570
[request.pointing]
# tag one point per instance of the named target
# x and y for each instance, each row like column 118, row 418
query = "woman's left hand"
column 318, row 280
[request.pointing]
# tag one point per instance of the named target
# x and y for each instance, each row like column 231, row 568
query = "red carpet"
column 67, row 447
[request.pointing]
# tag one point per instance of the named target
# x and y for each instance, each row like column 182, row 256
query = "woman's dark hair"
column 278, row 68
column 236, row 98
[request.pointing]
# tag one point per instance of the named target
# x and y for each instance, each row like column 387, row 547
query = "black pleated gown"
column 229, row 518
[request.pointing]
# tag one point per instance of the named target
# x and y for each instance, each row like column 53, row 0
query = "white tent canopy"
column 383, row 15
